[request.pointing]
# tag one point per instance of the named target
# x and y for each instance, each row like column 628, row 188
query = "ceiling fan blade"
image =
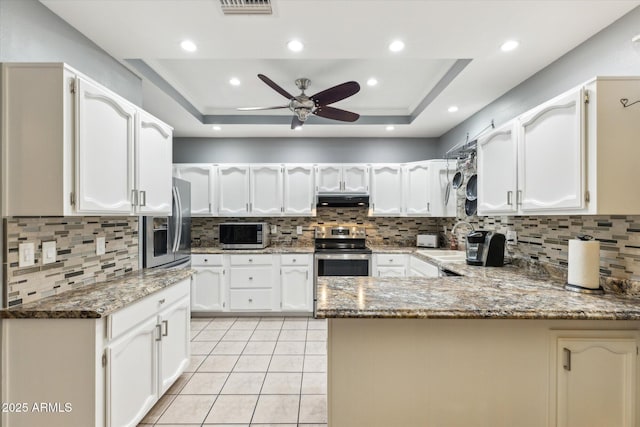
column 261, row 108
column 296, row 122
column 336, row 114
column 336, row 93
column 274, row 86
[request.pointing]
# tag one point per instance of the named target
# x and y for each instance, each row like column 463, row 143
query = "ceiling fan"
column 303, row 105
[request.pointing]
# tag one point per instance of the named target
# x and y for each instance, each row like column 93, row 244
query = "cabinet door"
column 296, row 288
column 201, row 178
column 497, row 171
column 417, row 189
column 386, row 190
column 208, row 289
column 233, row 190
column 174, row 343
column 104, row 151
column 266, row 190
column 596, row 382
column 551, row 156
column 134, row 355
column 391, row 272
column 153, row 165
column 442, row 173
column 355, row 179
column 328, row 179
column 299, row 196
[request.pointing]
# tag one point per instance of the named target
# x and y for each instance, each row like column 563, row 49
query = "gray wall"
column 29, row 32
column 610, row 52
column 303, row 150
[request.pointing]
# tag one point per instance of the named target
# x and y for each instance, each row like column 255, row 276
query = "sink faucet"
column 454, row 240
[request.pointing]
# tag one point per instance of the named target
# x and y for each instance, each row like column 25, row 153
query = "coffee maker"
column 485, row 248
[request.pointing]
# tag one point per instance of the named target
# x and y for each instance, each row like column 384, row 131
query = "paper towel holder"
column 577, row 288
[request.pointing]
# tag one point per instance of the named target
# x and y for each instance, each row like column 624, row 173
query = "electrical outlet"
column 512, row 237
column 299, row 229
column 49, row 252
column 101, row 245
column 274, row 229
column 26, row 254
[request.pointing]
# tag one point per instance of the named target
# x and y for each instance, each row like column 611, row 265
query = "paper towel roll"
column 584, row 263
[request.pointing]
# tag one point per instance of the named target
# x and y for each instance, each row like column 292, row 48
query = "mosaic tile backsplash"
column 76, row 261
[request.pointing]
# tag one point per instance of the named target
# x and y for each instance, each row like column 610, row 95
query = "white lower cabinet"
column 420, row 268
column 296, row 278
column 174, row 343
column 390, row 265
column 251, row 283
column 208, row 287
column 594, row 379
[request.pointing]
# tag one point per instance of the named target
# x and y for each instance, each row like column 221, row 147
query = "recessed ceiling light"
column 297, row 128
column 509, row 45
column 372, row 81
column 389, row 128
column 188, row 45
column 234, row 81
column 396, row 46
column 452, row 109
column 217, row 128
column 295, row 45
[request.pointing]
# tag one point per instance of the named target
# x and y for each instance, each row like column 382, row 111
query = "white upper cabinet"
column 299, row 196
column 266, row 190
column 233, row 190
column 153, row 158
column 342, row 178
column 442, row 172
column 202, row 178
column 417, row 189
column 386, row 190
column 497, row 171
column 75, row 148
column 551, row 153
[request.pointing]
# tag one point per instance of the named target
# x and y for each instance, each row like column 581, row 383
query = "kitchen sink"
column 443, row 255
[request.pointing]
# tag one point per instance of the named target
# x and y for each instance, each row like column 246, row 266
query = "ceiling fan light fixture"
column 234, row 81
column 372, row 81
column 295, row 45
column 188, row 46
column 396, row 46
column 509, row 45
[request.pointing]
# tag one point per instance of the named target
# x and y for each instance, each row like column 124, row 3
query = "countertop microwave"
column 244, row 235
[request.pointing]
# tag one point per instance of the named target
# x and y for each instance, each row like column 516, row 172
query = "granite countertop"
column 479, row 293
column 267, row 250
column 99, row 300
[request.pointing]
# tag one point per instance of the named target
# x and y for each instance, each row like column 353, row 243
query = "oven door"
column 336, row 264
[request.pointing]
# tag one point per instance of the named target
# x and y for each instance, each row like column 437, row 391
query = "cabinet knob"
column 294, row 260
column 206, row 260
column 162, row 301
column 250, row 259
column 250, row 300
column 250, row 278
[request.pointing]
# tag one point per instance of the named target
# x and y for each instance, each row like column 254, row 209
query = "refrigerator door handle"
column 177, row 221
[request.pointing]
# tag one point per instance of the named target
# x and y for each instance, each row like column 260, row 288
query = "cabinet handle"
column 509, row 197
column 162, row 301
column 566, row 362
column 159, row 330
column 166, row 328
column 247, row 207
column 519, row 197
column 210, row 210
column 306, row 276
column 143, row 198
column 134, row 197
column 428, row 206
column 250, row 207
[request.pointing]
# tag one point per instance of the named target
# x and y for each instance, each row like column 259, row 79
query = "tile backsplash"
column 76, row 261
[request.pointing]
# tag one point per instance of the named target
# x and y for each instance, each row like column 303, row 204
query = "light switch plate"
column 101, row 245
column 49, row 252
column 299, row 229
column 26, row 254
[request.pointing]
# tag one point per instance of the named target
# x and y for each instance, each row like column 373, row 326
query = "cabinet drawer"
column 295, row 259
column 391, row 259
column 260, row 277
column 251, row 259
column 132, row 315
column 203, row 259
column 250, row 299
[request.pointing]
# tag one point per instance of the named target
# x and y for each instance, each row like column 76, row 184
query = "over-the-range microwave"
column 244, row 235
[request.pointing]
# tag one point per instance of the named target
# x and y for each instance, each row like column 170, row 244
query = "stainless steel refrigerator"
column 167, row 239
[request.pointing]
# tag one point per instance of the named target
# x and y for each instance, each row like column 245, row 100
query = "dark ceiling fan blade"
column 261, row 108
column 296, row 122
column 336, row 114
column 336, row 93
column 274, row 86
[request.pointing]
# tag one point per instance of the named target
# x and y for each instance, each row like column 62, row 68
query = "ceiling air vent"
column 246, row 7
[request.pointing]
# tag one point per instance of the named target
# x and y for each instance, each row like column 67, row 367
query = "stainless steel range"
column 341, row 251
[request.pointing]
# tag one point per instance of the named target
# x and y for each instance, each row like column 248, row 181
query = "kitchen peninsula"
column 492, row 347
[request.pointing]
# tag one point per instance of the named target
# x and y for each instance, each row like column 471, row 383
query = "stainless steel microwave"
column 244, row 235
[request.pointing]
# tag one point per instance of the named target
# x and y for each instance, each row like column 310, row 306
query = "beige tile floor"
column 250, row 371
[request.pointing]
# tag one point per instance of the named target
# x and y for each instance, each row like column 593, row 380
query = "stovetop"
column 341, row 239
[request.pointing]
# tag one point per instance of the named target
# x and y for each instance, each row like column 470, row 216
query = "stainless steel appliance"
column 244, row 235
column 485, row 248
column 167, row 239
column 340, row 251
